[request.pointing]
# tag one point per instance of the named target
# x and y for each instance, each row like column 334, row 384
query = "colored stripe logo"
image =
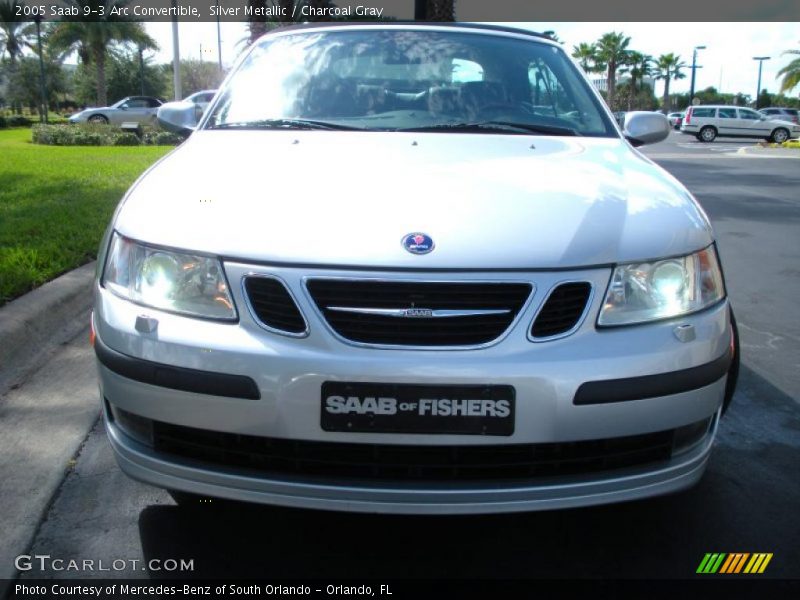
column 734, row 563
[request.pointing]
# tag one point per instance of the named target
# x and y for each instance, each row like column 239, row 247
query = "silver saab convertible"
column 412, row 268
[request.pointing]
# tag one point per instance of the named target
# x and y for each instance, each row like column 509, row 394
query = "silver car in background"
column 133, row 109
column 194, row 105
column 412, row 268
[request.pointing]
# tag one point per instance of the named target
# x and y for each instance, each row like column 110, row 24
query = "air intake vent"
column 562, row 310
column 419, row 313
column 274, row 306
column 335, row 462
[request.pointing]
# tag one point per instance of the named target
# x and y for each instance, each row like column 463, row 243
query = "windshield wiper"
column 283, row 124
column 494, row 126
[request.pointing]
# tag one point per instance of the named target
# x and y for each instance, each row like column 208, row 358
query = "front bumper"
column 288, row 374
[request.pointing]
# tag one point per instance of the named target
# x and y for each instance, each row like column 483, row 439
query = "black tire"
column 707, row 134
column 187, row 499
column 733, row 371
column 779, row 136
column 99, row 119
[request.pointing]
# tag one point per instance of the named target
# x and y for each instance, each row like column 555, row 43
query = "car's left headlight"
column 662, row 289
column 173, row 281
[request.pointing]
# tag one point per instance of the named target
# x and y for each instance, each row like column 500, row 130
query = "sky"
column 727, row 62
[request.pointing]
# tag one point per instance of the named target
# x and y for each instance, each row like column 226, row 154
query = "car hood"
column 348, row 198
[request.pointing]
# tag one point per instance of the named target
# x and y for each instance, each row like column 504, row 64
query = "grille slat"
column 429, row 332
column 421, row 463
column 562, row 310
column 273, row 305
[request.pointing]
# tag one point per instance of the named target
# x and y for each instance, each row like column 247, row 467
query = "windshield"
column 400, row 79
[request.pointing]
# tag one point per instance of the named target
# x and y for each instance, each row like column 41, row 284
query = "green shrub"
column 127, row 139
column 19, row 121
column 162, row 138
column 3, row 122
column 99, row 135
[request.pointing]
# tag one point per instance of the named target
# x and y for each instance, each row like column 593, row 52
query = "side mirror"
column 642, row 127
column 178, row 117
column 124, row 107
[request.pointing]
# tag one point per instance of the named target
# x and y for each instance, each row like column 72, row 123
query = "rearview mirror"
column 178, row 117
column 642, row 127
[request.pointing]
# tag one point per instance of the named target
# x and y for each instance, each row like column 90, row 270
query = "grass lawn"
column 55, row 203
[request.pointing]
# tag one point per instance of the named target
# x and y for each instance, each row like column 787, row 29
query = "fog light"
column 687, row 437
column 134, row 426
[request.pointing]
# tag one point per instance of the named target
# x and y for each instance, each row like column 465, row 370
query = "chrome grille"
column 418, row 313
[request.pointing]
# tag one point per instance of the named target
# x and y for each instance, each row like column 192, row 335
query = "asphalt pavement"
column 747, row 502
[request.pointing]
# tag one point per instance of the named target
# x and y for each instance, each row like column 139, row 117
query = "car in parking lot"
column 707, row 122
column 784, row 114
column 198, row 101
column 367, row 284
column 675, row 119
column 133, row 109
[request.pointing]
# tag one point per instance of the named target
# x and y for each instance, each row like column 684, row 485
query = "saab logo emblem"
column 734, row 563
column 419, row 313
column 418, row 243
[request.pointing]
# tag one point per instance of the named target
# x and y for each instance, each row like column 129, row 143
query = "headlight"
column 172, row 281
column 662, row 289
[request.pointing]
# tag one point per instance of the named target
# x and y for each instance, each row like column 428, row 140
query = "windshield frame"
column 611, row 128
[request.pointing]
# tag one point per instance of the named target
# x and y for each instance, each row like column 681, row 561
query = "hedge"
column 99, row 135
column 14, row 121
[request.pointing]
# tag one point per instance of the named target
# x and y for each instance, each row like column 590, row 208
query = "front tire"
column 779, row 136
column 707, row 134
column 98, row 120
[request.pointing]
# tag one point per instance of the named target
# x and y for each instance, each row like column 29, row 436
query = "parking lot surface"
column 747, row 501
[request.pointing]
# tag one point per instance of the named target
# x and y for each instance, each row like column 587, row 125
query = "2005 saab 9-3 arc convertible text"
column 412, row 268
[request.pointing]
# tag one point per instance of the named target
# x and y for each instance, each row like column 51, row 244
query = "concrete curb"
column 35, row 324
column 769, row 152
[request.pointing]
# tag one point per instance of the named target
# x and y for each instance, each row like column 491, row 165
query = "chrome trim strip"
column 578, row 323
column 261, row 323
column 427, row 313
column 422, row 279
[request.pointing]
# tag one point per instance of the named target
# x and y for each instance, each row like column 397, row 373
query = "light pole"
column 760, row 60
column 141, row 69
column 42, row 86
column 219, row 41
column 176, row 55
column 694, row 70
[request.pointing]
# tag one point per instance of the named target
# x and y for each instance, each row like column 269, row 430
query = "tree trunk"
column 666, row 95
column 611, row 82
column 286, row 13
column 100, row 64
column 257, row 24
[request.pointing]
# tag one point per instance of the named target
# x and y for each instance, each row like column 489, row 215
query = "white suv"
column 708, row 122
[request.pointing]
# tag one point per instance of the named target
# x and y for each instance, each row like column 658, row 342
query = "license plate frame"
column 398, row 408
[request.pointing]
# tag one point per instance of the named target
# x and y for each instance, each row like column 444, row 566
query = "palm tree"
column 91, row 39
column 15, row 33
column 612, row 51
column 15, row 36
column 585, row 54
column 638, row 66
column 790, row 73
column 669, row 67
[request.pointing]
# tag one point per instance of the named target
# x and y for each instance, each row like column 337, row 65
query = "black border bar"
column 652, row 386
column 176, row 378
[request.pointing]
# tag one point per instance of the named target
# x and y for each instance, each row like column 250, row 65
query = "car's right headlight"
column 662, row 289
column 168, row 280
